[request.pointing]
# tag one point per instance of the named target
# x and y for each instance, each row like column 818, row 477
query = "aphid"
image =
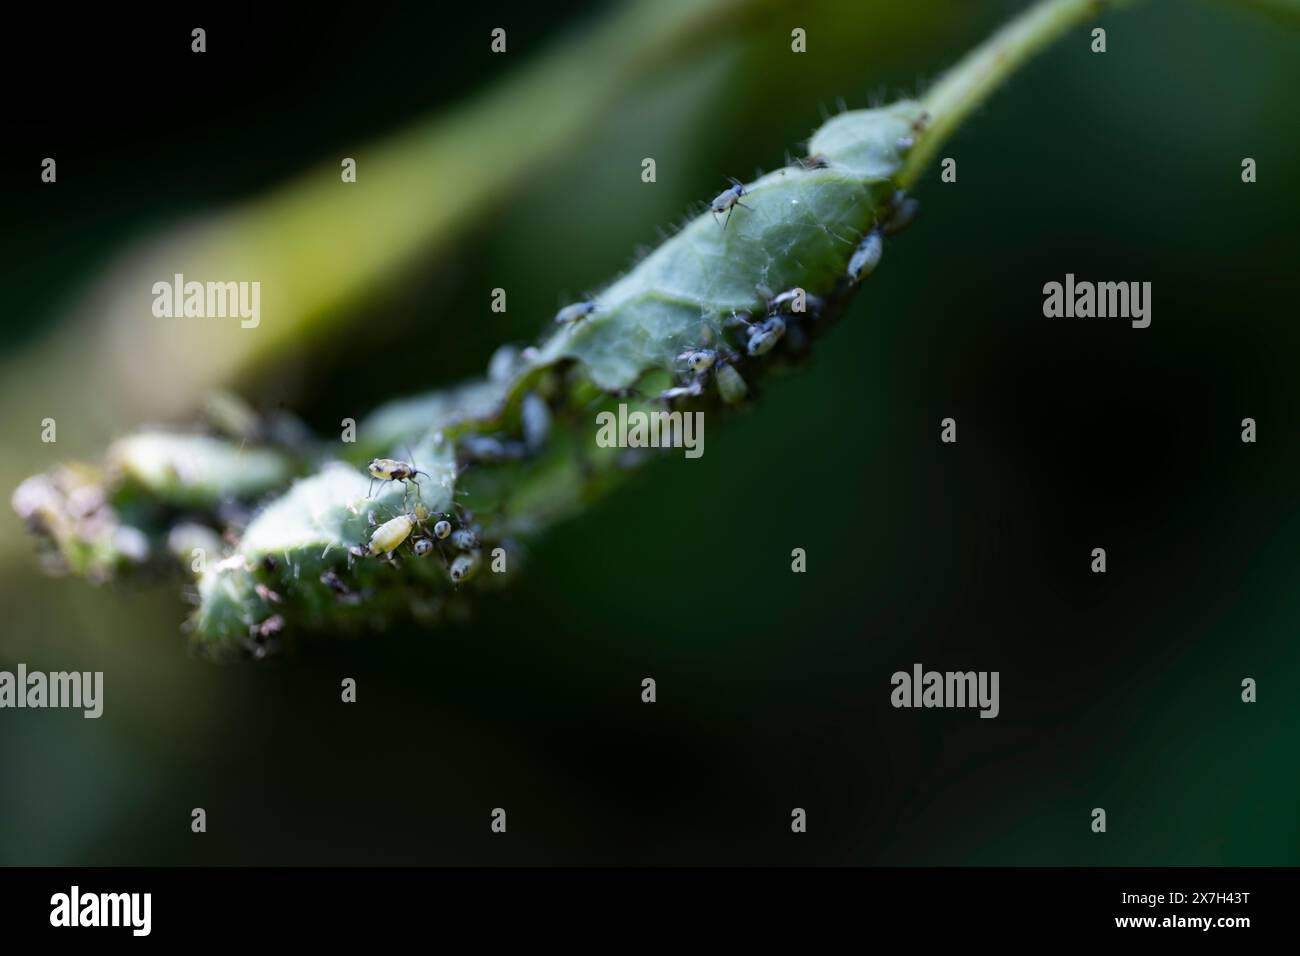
column 391, row 469
column 261, row 636
column 731, row 386
column 698, row 360
column 866, row 257
column 682, row 391
column 465, row 539
column 572, row 313
column 331, row 580
column 464, row 566
column 502, row 364
column 488, row 448
column 422, row 547
column 796, row 340
column 441, row 529
column 389, row 535
column 727, row 200
column 787, row 301
column 272, row 626
column 903, row 210
column 266, row 594
column 535, row 416
column 765, row 336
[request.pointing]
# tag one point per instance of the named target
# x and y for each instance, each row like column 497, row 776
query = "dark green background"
column 1120, row 691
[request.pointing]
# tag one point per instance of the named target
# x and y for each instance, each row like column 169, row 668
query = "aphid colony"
column 762, row 335
column 697, row 363
column 784, row 316
column 455, row 537
column 389, row 536
column 459, row 533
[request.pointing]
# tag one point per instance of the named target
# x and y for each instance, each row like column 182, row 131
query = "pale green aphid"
column 389, row 536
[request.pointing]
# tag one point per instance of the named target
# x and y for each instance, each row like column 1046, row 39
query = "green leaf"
column 309, row 531
column 800, row 229
column 197, row 470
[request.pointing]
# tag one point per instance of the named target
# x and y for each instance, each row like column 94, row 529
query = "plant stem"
column 969, row 83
